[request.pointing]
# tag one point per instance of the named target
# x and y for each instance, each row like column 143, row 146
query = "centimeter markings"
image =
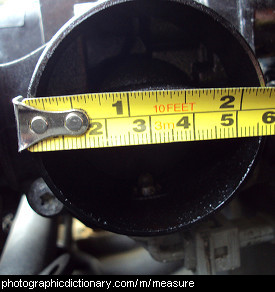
column 152, row 117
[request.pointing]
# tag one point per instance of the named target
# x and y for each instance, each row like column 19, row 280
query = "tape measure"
column 162, row 116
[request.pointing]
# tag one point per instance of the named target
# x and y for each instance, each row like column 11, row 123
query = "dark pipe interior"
column 141, row 45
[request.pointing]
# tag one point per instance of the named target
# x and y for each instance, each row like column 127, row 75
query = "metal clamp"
column 35, row 125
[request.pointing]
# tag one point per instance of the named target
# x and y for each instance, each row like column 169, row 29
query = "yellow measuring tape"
column 152, row 117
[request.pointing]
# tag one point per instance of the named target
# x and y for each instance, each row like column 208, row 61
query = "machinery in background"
column 197, row 227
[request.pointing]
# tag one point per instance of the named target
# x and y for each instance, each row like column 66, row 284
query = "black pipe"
column 30, row 244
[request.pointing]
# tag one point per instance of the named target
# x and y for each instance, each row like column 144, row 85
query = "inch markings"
column 165, row 116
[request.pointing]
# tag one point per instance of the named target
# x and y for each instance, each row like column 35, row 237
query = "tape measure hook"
column 34, row 125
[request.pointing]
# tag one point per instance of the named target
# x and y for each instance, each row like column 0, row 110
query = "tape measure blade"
column 167, row 116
